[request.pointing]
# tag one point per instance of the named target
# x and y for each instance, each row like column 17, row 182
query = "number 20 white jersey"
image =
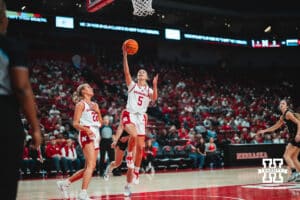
column 138, row 98
column 89, row 117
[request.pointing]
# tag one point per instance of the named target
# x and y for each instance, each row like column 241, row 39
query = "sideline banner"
column 251, row 154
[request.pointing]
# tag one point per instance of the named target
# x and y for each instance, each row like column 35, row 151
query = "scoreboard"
column 265, row 43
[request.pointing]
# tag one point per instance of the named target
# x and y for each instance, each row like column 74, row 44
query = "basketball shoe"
column 293, row 177
column 63, row 187
column 83, row 195
column 107, row 173
column 127, row 191
column 136, row 177
column 297, row 179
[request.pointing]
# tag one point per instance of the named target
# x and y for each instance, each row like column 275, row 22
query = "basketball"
column 131, row 46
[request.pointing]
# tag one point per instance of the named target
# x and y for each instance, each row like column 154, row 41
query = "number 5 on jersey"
column 140, row 100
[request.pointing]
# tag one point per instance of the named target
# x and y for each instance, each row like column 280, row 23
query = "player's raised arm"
column 127, row 74
column 155, row 95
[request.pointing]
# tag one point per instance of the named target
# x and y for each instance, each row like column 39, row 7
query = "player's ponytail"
column 77, row 95
column 297, row 115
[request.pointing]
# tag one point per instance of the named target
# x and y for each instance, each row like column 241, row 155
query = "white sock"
column 67, row 182
column 136, row 169
column 84, row 191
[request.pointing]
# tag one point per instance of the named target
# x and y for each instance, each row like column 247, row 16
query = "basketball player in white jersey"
column 134, row 118
column 87, row 120
column 120, row 143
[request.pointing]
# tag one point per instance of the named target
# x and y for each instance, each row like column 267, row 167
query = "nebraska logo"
column 272, row 171
column 253, row 155
column 84, row 139
column 140, row 93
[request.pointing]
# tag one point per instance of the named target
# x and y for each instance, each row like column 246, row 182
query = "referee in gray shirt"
column 106, row 133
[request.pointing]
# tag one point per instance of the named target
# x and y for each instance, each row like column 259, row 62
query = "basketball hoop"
column 142, row 8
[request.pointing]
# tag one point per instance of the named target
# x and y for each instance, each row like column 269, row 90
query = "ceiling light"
column 23, row 7
column 267, row 29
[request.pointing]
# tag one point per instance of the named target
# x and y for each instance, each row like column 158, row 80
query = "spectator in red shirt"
column 183, row 133
column 235, row 139
column 244, row 136
column 69, row 157
column 166, row 109
column 53, row 155
column 27, row 164
column 257, row 139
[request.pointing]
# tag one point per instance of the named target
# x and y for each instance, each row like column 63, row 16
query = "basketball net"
column 142, row 7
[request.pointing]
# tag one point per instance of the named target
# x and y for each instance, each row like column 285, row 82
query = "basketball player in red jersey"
column 134, row 118
column 87, row 120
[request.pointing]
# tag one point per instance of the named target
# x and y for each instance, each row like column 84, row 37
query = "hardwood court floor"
column 239, row 183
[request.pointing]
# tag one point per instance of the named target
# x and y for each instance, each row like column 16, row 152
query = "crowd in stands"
column 195, row 110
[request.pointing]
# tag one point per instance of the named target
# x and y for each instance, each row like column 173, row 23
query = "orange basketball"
column 131, row 46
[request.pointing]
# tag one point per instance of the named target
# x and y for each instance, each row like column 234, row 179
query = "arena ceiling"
column 270, row 8
column 226, row 17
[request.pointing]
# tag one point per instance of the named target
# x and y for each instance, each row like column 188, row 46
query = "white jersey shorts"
column 139, row 120
column 84, row 139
